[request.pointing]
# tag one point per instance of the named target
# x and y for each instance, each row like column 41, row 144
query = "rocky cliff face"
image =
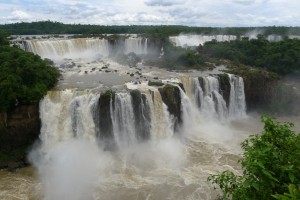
column 258, row 85
column 19, row 129
column 171, row 97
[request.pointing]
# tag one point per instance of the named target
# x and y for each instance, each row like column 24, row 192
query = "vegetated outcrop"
column 171, row 97
column 19, row 128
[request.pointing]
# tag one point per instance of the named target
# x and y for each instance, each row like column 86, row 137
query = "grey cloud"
column 244, row 2
column 163, row 2
column 249, row 2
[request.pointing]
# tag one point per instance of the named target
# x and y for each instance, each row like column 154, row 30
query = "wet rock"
column 171, row 97
column 225, row 87
column 105, row 124
column 19, row 128
column 155, row 83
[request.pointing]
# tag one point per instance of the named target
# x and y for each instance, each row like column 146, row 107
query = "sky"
column 220, row 13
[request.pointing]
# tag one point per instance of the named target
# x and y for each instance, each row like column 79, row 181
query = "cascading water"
column 57, row 49
column 123, row 120
column 205, row 92
column 162, row 124
column 69, row 48
column 196, row 40
column 237, row 104
column 67, row 114
column 70, row 113
column 136, row 45
column 150, row 161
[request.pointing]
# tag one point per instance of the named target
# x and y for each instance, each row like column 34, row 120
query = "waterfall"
column 67, row 114
column 123, row 120
column 136, row 45
column 189, row 112
column 237, row 104
column 162, row 125
column 196, row 40
column 126, row 118
column 69, row 48
column 57, row 49
column 205, row 93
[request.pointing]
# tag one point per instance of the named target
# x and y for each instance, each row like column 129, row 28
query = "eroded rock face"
column 171, row 97
column 225, row 87
column 19, row 129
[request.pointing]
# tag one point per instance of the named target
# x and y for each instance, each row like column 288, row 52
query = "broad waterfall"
column 126, row 118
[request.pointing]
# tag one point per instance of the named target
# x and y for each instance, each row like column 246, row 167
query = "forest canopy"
column 24, row 77
column 282, row 57
column 50, row 27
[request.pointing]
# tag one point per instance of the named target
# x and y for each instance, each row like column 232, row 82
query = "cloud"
column 17, row 15
column 244, row 2
column 163, row 2
column 152, row 12
column 250, row 2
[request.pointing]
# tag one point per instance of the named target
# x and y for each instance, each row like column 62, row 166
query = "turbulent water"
column 130, row 143
column 58, row 48
column 196, row 40
column 73, row 163
column 192, row 40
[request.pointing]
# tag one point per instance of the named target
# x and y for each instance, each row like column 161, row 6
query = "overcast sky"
column 150, row 12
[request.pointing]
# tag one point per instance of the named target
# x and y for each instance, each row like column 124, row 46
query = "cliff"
column 19, row 128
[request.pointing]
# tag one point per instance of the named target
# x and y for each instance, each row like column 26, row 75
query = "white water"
column 123, row 120
column 93, row 48
column 196, row 40
column 211, row 103
column 136, row 45
column 237, row 105
column 69, row 48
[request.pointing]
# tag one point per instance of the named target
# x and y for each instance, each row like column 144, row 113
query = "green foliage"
column 24, row 77
column 155, row 32
column 270, row 163
column 294, row 194
column 281, row 57
column 3, row 38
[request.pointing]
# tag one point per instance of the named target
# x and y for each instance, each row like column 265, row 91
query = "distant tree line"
column 282, row 57
column 50, row 27
column 24, row 77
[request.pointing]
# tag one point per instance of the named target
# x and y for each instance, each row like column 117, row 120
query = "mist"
column 70, row 169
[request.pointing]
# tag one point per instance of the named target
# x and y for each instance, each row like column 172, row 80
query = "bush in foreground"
column 270, row 163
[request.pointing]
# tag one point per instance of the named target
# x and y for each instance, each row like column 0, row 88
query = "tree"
column 271, row 162
column 24, row 77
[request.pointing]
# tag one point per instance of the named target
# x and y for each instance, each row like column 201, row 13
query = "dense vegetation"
column 49, row 27
column 281, row 57
column 24, row 77
column 270, row 163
